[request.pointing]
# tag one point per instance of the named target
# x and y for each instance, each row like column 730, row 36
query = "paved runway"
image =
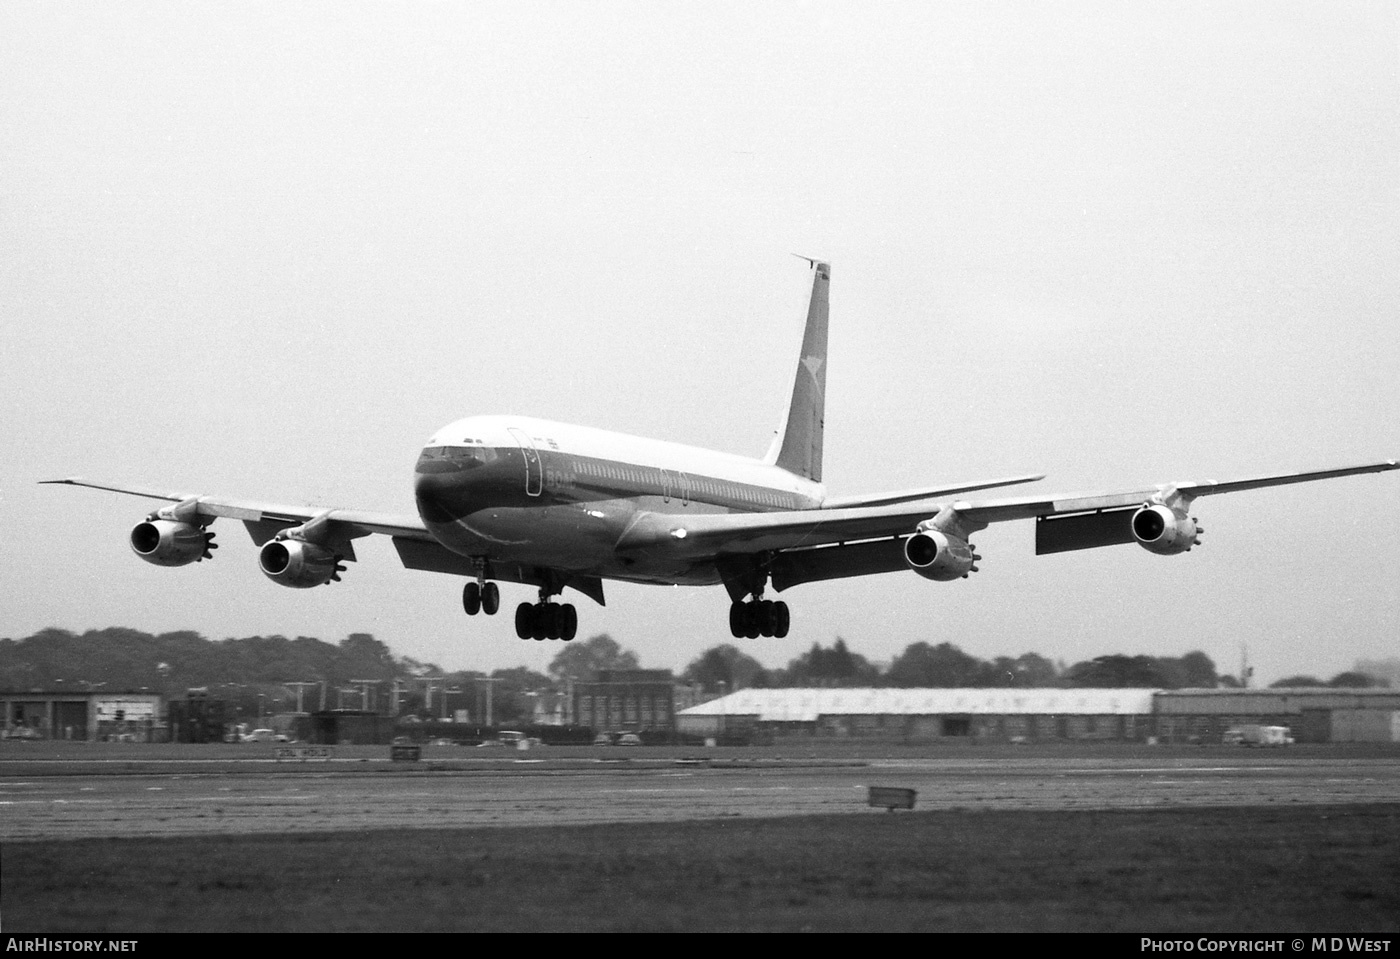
column 78, row 797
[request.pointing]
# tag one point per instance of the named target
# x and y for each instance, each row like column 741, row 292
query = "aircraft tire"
column 544, row 622
column 490, row 599
column 767, row 617
column 736, row 620
column 471, row 598
column 568, row 622
column 525, row 621
column 753, row 620
column 782, row 621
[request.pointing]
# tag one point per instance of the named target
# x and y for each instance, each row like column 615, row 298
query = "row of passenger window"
column 685, row 486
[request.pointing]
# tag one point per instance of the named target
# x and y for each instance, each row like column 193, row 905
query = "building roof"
column 805, row 705
column 1281, row 701
column 1315, row 691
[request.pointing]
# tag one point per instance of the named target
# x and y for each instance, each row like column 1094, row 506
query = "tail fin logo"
column 813, row 365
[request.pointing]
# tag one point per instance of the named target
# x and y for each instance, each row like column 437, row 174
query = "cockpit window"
column 472, row 456
column 451, row 458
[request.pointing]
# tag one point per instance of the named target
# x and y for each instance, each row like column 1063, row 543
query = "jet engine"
column 299, row 565
column 1161, row 530
column 938, row 556
column 167, row 542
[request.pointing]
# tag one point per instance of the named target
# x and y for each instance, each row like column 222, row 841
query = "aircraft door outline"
column 534, row 470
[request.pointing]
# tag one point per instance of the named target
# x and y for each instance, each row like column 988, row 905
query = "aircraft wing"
column 337, row 527
column 719, row 534
column 264, row 520
column 932, row 492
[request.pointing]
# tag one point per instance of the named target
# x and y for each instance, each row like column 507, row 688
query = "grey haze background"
column 267, row 249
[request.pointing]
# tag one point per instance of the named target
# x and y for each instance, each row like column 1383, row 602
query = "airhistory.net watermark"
column 45, row 944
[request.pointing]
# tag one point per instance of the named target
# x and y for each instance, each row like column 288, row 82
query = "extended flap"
column 1059, row 534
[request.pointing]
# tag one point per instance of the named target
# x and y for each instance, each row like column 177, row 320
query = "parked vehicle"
column 1254, row 734
column 264, row 736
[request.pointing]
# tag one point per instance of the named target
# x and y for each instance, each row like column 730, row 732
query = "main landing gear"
column 546, row 620
column 759, row 617
column 747, row 576
column 481, row 598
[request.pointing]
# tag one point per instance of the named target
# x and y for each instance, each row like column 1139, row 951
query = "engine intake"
column 299, row 565
column 938, row 556
column 166, row 542
column 1161, row 530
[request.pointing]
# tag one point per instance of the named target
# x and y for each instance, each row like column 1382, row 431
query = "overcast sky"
column 266, row 250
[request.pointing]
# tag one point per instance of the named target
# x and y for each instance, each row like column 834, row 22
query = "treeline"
column 253, row 672
column 129, row 659
column 922, row 665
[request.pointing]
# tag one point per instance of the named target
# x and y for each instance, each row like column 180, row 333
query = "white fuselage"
column 533, row 491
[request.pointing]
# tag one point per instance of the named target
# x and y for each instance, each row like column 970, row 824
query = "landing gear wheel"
column 759, row 617
column 490, row 598
column 767, row 617
column 544, row 622
column 525, row 621
column 753, row 620
column 568, row 622
column 471, row 598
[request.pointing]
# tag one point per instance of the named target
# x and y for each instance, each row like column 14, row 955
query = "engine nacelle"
column 299, row 565
column 169, row 543
column 1160, row 530
column 938, row 556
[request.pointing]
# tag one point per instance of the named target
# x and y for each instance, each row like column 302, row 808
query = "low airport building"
column 1200, row 716
column 94, row 715
column 1313, row 714
column 1008, row 715
column 627, row 700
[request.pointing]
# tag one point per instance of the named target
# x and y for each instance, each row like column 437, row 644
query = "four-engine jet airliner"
column 553, row 506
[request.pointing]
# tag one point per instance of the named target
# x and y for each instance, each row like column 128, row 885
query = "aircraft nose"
column 447, row 481
column 433, row 477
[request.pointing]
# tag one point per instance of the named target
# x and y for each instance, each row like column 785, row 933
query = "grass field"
column 1298, row 869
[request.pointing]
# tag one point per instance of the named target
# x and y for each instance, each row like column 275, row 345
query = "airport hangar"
column 1045, row 715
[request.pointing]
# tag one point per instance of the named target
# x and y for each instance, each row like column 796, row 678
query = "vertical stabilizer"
column 799, row 449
